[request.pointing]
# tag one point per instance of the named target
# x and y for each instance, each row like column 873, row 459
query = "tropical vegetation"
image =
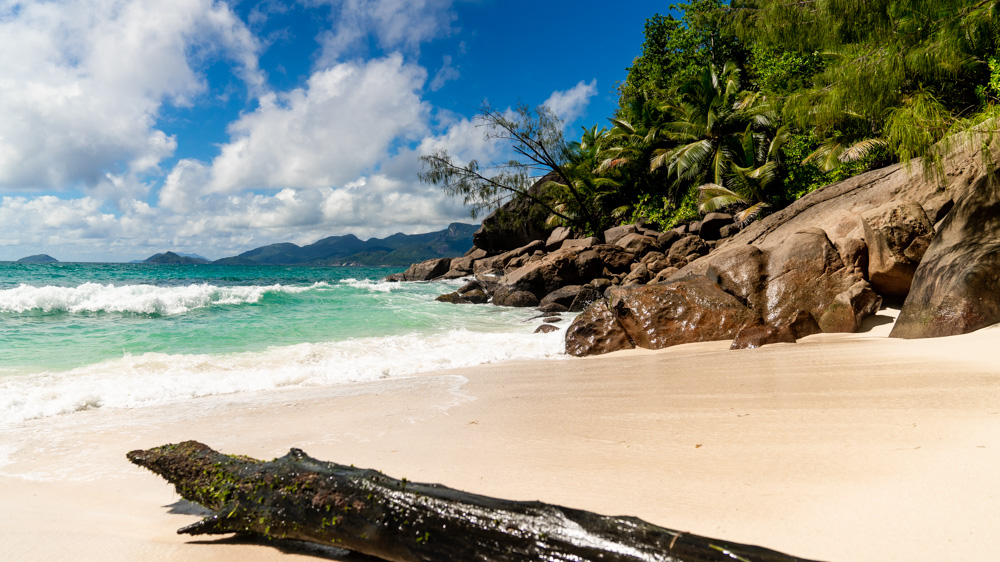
column 749, row 104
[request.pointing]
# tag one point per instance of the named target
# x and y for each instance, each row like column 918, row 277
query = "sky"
column 131, row 127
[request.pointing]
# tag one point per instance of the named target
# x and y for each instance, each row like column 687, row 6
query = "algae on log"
column 302, row 498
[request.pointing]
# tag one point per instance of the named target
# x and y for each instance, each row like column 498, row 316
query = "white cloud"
column 570, row 104
column 82, row 83
column 340, row 125
column 395, row 24
column 444, row 75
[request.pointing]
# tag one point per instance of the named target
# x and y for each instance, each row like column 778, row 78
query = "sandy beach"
column 840, row 447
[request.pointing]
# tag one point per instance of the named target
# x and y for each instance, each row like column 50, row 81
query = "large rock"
column 712, row 224
column 423, row 271
column 502, row 261
column 516, row 223
column 837, row 208
column 637, row 243
column 659, row 316
column 557, row 237
column 849, row 308
column 614, row 234
column 956, row 288
column 596, row 331
column 803, row 274
column 688, row 246
column 512, row 296
column 897, row 235
column 563, row 296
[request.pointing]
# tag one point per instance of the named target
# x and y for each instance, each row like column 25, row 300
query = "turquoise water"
column 79, row 336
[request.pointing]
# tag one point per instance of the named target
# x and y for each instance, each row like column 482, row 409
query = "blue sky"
column 129, row 127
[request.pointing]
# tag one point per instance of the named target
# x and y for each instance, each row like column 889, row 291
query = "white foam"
column 374, row 286
column 137, row 299
column 156, row 378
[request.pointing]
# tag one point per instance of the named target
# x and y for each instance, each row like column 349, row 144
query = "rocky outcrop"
column 956, row 287
column 516, row 223
column 423, row 271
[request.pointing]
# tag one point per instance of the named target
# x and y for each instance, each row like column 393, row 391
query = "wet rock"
column 803, row 274
column 691, row 310
column 956, row 288
column 752, row 337
column 596, row 331
column 546, row 328
column 587, row 295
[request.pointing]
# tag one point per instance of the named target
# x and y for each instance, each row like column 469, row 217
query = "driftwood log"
column 302, row 498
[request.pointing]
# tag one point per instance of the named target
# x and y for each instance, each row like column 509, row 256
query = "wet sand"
column 840, row 447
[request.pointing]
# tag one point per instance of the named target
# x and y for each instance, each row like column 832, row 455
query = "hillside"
column 171, row 258
column 396, row 250
column 38, row 258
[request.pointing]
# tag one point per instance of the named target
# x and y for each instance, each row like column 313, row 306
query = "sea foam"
column 135, row 299
column 155, row 378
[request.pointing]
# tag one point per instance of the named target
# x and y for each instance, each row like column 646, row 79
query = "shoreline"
column 839, row 447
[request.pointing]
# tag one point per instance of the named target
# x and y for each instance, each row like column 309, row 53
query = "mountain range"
column 396, row 250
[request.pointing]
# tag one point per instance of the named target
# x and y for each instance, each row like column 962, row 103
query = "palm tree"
column 724, row 147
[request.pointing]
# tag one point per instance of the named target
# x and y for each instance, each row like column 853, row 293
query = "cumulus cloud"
column 344, row 121
column 395, row 25
column 82, row 83
column 570, row 104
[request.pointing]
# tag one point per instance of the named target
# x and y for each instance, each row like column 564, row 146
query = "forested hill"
column 396, row 250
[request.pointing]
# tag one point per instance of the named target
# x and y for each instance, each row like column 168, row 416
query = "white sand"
column 841, row 447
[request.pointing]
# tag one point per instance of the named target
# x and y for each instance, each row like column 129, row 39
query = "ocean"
column 78, row 336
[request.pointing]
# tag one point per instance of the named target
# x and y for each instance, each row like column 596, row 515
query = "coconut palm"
column 714, row 119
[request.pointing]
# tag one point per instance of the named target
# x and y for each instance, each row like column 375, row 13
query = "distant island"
column 398, row 250
column 38, row 258
column 174, row 258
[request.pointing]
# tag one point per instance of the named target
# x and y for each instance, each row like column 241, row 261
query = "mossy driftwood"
column 302, row 498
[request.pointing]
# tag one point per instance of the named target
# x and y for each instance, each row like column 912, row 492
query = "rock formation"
column 956, row 288
column 822, row 264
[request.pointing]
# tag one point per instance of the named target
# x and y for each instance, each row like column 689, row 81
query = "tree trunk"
column 299, row 497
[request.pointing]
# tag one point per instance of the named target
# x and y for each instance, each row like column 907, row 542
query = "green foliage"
column 778, row 72
column 571, row 195
column 908, row 72
column 675, row 50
